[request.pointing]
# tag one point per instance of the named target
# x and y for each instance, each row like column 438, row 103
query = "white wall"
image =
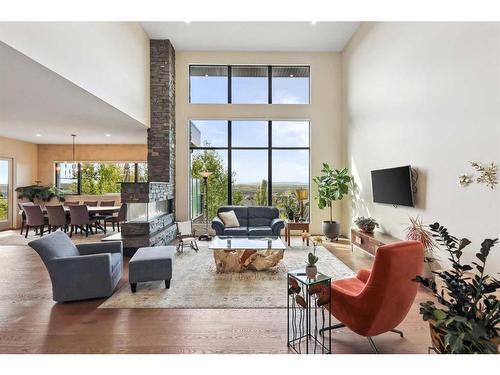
column 426, row 94
column 324, row 112
column 108, row 59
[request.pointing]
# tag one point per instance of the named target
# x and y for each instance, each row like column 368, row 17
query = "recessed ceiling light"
column 108, row 135
column 38, row 135
column 313, row 22
column 187, row 21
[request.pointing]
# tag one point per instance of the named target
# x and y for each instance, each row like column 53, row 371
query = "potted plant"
column 333, row 184
column 468, row 315
column 366, row 224
column 417, row 231
column 39, row 193
column 289, row 205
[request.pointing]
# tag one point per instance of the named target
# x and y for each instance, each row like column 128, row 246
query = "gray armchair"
column 85, row 271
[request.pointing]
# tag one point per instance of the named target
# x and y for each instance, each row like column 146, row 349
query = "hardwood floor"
column 30, row 322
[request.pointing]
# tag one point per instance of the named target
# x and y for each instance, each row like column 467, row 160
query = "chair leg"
column 71, row 231
column 42, row 227
column 373, row 345
column 87, row 231
column 50, row 229
column 118, row 225
column 23, row 222
column 27, row 230
column 400, row 333
column 113, row 225
column 335, row 326
column 133, row 286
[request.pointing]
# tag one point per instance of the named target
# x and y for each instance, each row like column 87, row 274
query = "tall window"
column 97, row 178
column 253, row 84
column 252, row 162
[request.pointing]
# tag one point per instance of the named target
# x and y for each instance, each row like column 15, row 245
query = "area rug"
column 196, row 285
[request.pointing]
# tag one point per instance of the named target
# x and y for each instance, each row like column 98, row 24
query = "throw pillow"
column 229, row 219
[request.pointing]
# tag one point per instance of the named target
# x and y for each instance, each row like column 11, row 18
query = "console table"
column 296, row 225
column 370, row 242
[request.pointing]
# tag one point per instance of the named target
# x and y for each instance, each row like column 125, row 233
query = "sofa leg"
column 372, row 345
column 133, row 286
column 167, row 284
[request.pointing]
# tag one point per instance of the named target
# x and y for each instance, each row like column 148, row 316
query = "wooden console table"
column 370, row 242
column 296, row 225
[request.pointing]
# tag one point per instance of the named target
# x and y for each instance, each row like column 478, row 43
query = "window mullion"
column 270, row 163
column 270, row 84
column 229, row 84
column 229, row 163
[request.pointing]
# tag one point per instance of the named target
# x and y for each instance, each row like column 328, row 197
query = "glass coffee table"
column 237, row 254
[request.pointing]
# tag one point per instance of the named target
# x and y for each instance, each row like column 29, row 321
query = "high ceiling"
column 253, row 36
column 35, row 100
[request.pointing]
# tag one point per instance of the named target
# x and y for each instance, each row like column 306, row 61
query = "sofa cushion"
column 54, row 245
column 229, row 219
column 240, row 231
column 261, row 215
column 260, row 231
column 241, row 213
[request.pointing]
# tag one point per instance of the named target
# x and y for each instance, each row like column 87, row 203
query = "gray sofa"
column 80, row 272
column 255, row 221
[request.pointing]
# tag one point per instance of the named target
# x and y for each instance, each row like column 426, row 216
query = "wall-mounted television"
column 393, row 186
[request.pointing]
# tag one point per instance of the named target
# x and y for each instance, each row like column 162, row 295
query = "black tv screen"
column 393, row 186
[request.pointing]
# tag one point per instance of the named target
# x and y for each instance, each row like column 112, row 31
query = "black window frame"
column 269, row 82
column 79, row 173
column 270, row 148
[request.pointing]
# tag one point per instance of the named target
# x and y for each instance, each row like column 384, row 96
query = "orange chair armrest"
column 363, row 275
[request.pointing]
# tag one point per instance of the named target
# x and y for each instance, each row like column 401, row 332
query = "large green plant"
column 40, row 193
column 469, row 313
column 332, row 186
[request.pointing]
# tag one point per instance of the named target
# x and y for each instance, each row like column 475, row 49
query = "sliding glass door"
column 5, row 193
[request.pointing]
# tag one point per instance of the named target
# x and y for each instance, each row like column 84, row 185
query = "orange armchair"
column 377, row 301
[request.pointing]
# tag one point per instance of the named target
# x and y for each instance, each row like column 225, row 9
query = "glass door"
column 5, row 193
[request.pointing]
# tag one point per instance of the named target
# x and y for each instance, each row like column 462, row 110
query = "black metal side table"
column 307, row 313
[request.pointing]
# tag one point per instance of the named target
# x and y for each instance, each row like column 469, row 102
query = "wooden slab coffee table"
column 237, row 254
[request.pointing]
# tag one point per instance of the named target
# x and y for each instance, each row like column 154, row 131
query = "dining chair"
column 80, row 218
column 104, row 216
column 120, row 218
column 23, row 214
column 34, row 218
column 57, row 218
column 90, row 203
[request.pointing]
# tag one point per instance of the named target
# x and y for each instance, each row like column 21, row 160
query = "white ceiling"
column 35, row 100
column 253, row 36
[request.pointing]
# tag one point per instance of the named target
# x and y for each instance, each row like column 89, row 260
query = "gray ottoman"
column 151, row 264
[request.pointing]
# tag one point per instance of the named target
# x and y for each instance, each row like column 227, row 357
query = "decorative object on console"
column 333, row 185
column 464, row 180
column 367, row 224
column 205, row 175
column 488, row 174
column 467, row 320
column 417, row 231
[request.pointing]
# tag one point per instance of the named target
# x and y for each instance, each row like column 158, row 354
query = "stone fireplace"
column 150, row 205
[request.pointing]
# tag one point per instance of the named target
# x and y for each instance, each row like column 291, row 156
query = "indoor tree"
column 332, row 186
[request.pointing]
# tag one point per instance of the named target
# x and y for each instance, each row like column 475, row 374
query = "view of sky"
column 245, row 90
column 251, row 165
column 4, row 172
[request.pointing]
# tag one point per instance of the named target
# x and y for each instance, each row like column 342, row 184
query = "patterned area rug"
column 195, row 283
